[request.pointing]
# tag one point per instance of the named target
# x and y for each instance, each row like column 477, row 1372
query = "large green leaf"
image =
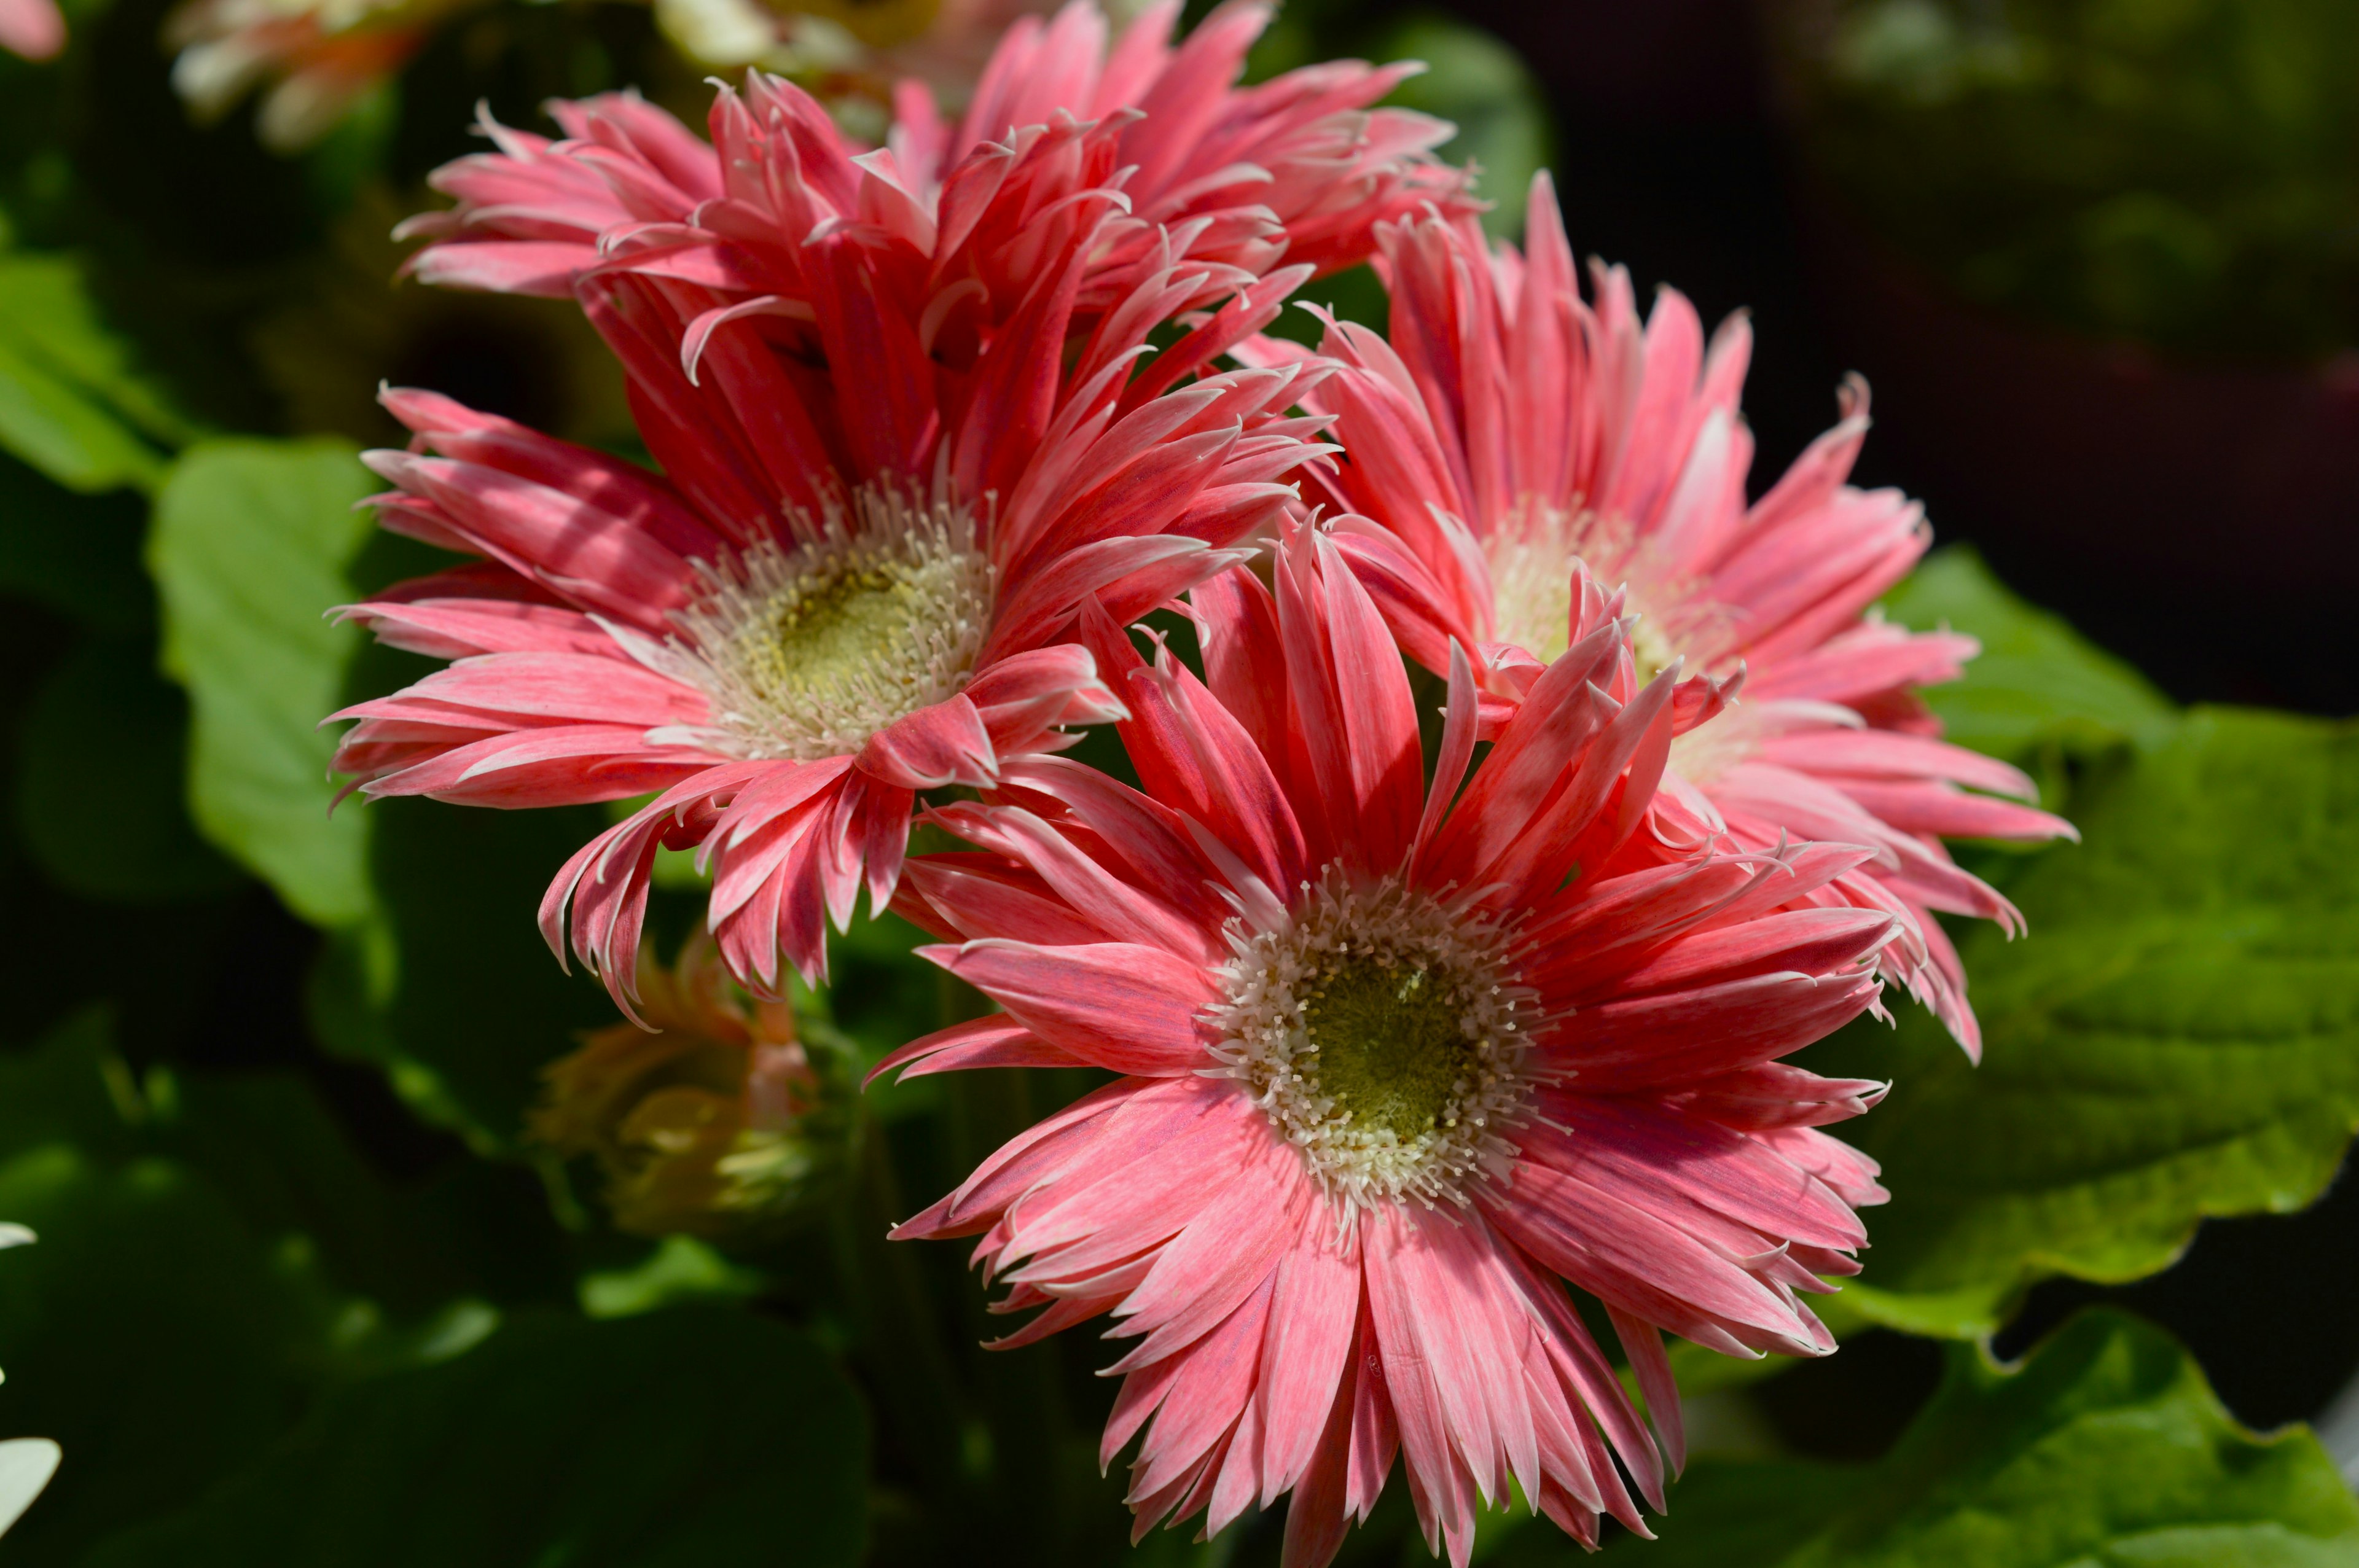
column 249, row 551
column 2038, row 683
column 688, row 1436
column 72, row 403
column 2176, row 1037
column 2107, row 1448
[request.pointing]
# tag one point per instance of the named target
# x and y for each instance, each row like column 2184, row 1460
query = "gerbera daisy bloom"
column 1510, row 429
column 313, row 58
column 32, row 29
column 1396, row 1057
column 1297, row 168
column 853, row 581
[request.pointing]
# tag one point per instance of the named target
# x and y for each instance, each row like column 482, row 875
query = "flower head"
column 32, row 29
column 854, row 580
column 1296, row 169
column 717, row 1123
column 1396, row 1057
column 316, row 57
column 1508, row 432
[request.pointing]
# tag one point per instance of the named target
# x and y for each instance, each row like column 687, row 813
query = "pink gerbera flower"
column 32, row 29
column 1397, row 1056
column 853, row 582
column 1510, row 429
column 313, row 58
column 1298, row 167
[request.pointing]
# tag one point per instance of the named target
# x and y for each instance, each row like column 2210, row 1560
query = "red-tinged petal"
column 1049, row 597
column 1313, row 1324
column 1025, row 697
column 1136, row 912
column 1229, row 1250
column 1849, row 1173
column 1379, row 722
column 1319, row 1516
column 1659, row 1042
column 936, row 746
column 1203, row 1403
column 1632, row 1144
column 1939, row 809
column 982, row 1043
column 1805, row 941
column 600, row 687
column 1437, row 1482
column 546, row 268
column 459, row 628
column 1778, row 1094
column 982, row 895
column 1528, row 766
column 1643, row 1344
column 1882, row 754
column 569, row 764
column 1621, row 1255
column 1027, row 1159
column 1117, row 1005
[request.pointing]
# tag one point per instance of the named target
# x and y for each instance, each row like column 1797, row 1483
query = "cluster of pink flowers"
column 1403, row 1043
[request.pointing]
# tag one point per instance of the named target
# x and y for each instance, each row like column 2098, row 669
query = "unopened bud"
column 723, row 1123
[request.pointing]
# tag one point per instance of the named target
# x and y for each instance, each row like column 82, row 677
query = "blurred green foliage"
column 2181, row 172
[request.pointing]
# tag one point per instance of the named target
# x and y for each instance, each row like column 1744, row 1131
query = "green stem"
column 1023, row 1405
column 908, row 1361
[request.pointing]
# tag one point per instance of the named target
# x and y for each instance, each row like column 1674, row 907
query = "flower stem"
column 900, row 1333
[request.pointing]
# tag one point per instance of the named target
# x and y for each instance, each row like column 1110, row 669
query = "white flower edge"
column 25, row 1465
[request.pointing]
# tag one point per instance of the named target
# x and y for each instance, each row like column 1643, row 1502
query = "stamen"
column 806, row 650
column 1385, row 1034
column 1531, row 554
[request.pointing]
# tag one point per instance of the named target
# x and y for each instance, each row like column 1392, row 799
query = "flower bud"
column 720, row 1121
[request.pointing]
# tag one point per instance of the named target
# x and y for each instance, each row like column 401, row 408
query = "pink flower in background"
column 853, row 581
column 33, row 30
column 1296, row 169
column 1392, row 1064
column 1510, row 429
column 312, row 59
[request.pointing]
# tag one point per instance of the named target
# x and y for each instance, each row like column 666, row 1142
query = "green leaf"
column 251, row 542
column 99, row 801
column 688, row 1436
column 2038, row 683
column 2106, row 1447
column 267, row 1146
column 73, row 403
column 148, row 1332
column 2176, row 1037
column 1479, row 84
column 72, row 1087
column 677, row 1269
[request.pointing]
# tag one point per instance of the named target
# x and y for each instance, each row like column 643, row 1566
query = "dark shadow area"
column 2264, row 1303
